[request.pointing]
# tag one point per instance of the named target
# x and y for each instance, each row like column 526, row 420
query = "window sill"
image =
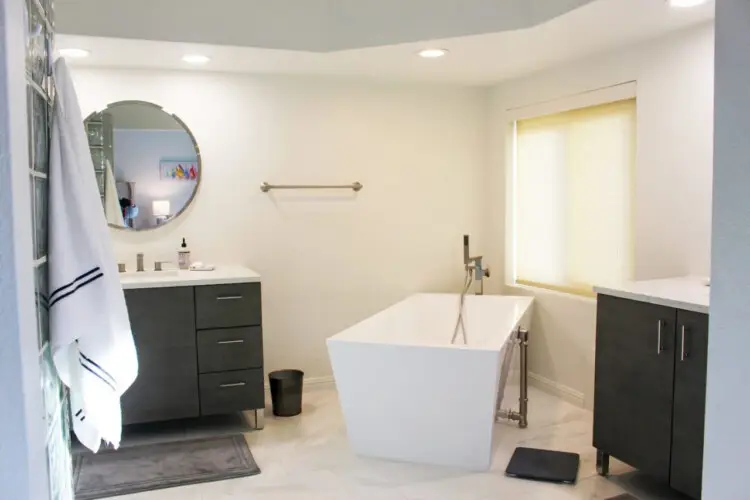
column 587, row 297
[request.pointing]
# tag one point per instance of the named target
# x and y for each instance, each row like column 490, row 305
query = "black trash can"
column 286, row 392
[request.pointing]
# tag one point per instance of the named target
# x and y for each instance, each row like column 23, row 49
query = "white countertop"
column 222, row 275
column 689, row 292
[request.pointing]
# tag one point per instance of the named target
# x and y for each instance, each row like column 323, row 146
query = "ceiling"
column 483, row 59
column 303, row 25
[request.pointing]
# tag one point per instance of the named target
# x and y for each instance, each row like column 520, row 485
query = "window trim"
column 569, row 290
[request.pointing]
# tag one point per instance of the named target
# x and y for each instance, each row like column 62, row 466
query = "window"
column 572, row 198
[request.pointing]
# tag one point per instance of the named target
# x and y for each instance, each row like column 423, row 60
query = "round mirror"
column 147, row 163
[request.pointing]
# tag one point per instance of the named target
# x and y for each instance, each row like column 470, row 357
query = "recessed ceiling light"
column 74, row 53
column 196, row 59
column 432, row 53
column 686, row 3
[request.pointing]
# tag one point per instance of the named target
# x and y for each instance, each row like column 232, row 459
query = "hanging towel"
column 112, row 208
column 92, row 344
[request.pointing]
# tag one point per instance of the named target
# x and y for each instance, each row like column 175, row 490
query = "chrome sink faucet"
column 139, row 263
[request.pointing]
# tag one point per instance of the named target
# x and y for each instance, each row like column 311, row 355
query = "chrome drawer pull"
column 231, row 342
column 237, row 384
column 658, row 337
column 230, row 297
column 683, row 354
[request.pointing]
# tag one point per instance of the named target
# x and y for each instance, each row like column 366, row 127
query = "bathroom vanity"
column 650, row 389
column 199, row 338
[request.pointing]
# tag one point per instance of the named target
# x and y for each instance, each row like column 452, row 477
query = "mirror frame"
column 197, row 154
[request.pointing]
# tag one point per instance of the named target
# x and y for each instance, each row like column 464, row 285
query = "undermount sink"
column 167, row 273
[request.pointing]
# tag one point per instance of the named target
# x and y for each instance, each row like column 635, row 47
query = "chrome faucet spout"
column 139, row 263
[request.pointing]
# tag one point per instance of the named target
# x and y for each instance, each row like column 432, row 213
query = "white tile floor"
column 307, row 457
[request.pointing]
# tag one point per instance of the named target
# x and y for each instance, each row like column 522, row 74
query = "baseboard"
column 318, row 383
column 563, row 391
column 313, row 383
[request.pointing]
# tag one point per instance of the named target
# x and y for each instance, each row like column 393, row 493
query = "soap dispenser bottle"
column 183, row 256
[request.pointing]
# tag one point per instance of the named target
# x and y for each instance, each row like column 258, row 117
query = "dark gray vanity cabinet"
column 634, row 382
column 650, row 383
column 200, row 352
column 230, row 348
column 163, row 324
column 691, row 365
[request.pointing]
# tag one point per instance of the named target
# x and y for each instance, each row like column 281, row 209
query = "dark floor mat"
column 544, row 465
column 156, row 466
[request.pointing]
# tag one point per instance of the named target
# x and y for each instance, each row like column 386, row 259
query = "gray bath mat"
column 157, row 466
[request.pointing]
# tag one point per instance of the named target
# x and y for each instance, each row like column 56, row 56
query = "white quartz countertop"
column 222, row 275
column 690, row 293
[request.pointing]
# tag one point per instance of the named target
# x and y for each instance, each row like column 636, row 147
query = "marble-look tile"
column 192, row 492
column 307, row 457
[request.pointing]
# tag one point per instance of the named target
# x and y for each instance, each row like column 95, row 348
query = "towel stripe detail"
column 84, row 275
column 74, row 290
column 98, row 376
column 103, row 371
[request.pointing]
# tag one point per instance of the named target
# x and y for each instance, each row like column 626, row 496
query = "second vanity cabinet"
column 200, row 351
column 650, row 389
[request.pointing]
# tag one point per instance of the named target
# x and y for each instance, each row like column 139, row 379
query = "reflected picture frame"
column 179, row 170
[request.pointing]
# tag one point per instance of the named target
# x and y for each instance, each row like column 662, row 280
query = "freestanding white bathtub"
column 407, row 394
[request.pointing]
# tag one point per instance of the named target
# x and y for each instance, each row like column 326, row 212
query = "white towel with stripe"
column 92, row 343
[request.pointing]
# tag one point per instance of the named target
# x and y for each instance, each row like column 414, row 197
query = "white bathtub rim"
column 521, row 319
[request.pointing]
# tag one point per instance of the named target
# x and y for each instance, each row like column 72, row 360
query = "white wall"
column 726, row 433
column 672, row 200
column 328, row 259
column 137, row 155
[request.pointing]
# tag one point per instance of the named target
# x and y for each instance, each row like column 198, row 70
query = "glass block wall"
column 40, row 95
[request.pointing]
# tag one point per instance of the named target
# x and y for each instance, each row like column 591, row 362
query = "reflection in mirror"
column 147, row 164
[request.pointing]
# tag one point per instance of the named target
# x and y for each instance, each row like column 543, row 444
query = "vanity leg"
column 602, row 463
column 260, row 420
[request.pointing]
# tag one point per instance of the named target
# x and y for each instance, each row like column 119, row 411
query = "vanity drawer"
column 230, row 349
column 222, row 306
column 229, row 392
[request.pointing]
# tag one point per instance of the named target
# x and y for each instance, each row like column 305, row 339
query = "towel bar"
column 355, row 186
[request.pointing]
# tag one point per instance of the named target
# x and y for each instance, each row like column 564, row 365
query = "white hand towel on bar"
column 92, row 344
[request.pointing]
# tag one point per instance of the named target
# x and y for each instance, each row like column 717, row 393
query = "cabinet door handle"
column 236, row 384
column 658, row 337
column 230, row 297
column 231, row 342
column 683, row 354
